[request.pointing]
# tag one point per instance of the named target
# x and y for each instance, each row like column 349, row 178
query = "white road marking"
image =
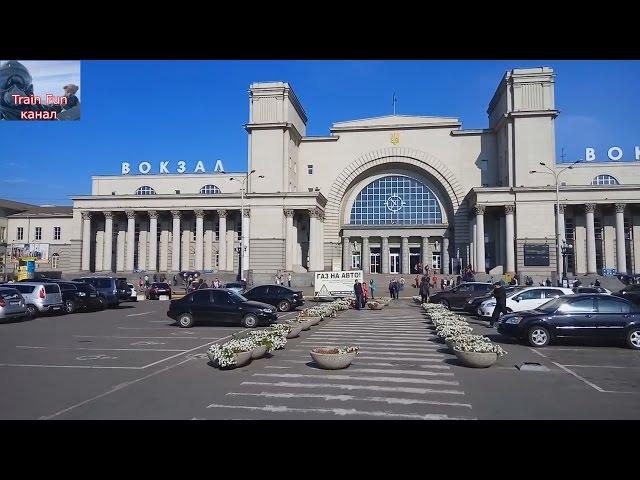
column 274, row 366
column 96, row 357
column 537, row 352
column 437, row 359
column 339, row 411
column 375, row 388
column 384, row 364
column 345, row 398
column 108, row 349
column 112, row 390
column 148, row 343
column 363, row 353
column 579, row 377
column 598, row 366
column 138, row 314
column 65, row 366
column 355, row 377
column 135, row 338
column 368, row 341
column 401, row 372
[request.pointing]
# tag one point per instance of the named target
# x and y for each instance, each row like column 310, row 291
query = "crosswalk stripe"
column 401, row 372
column 346, row 386
column 386, row 364
column 354, row 377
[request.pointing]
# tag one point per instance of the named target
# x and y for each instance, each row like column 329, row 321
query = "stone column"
column 222, row 241
column 288, row 241
column 209, row 234
column 384, row 252
column 230, row 252
column 621, row 254
column 589, row 209
column 425, row 254
column 99, row 253
column 175, row 241
column 480, row 268
column 142, row 249
column 246, row 218
column 185, row 264
column 164, row 249
column 405, row 256
column 321, row 240
column 474, row 242
column 365, row 256
column 199, row 239
column 560, row 227
column 346, row 253
column 314, row 240
column 509, row 239
column 120, row 249
column 131, row 237
column 153, row 240
column 445, row 255
column 86, row 241
column 108, row 241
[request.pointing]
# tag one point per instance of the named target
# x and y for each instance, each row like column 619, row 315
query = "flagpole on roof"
column 394, row 103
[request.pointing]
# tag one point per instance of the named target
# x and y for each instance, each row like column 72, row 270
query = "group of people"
column 363, row 291
column 279, row 280
column 143, row 285
column 395, row 286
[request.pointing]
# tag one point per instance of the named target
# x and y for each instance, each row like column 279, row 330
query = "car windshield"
column 551, row 306
column 237, row 297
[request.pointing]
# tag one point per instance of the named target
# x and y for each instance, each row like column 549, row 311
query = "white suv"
column 525, row 299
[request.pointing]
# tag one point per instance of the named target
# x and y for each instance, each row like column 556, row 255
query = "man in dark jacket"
column 424, row 289
column 357, row 289
column 500, row 294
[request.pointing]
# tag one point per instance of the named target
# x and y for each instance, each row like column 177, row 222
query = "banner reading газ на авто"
column 336, row 284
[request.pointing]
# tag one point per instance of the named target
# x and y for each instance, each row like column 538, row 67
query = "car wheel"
column 185, row 320
column 32, row 311
column 250, row 321
column 69, row 306
column 445, row 303
column 538, row 336
column 284, row 306
column 633, row 338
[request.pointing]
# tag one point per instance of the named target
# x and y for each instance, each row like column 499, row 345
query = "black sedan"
column 457, row 297
column 220, row 306
column 589, row 315
column 281, row 297
column 471, row 305
column 631, row 293
column 157, row 289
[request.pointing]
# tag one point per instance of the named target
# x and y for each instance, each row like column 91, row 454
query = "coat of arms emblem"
column 395, row 138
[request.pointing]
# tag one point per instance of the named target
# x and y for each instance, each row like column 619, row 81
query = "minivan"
column 40, row 297
column 109, row 288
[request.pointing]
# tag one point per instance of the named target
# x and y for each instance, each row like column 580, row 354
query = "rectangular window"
column 2, row 231
column 56, row 233
column 484, row 165
column 20, row 234
column 310, row 169
column 38, row 233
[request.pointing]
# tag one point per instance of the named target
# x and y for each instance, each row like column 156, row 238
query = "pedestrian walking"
column 597, row 282
column 175, row 281
column 277, row 279
column 391, row 291
column 140, row 284
column 372, row 288
column 401, row 284
column 357, row 289
column 547, row 282
column 216, row 283
column 289, row 280
column 424, row 290
column 365, row 294
column 146, row 281
column 500, row 294
column 155, row 277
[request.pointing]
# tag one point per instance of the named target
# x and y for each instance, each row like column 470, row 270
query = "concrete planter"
column 312, row 320
column 295, row 331
column 376, row 306
column 259, row 352
column 476, row 359
column 242, row 359
column 306, row 325
column 332, row 361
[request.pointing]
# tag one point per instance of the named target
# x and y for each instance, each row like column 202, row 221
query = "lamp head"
column 252, row 171
column 532, row 171
column 543, row 164
column 260, row 176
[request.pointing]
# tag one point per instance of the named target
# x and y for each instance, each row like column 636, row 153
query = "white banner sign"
column 336, row 284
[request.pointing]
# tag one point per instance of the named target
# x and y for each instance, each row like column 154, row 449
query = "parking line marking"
column 115, row 336
column 355, row 377
column 65, row 366
column 537, row 352
column 114, row 389
column 107, row 349
column 597, row 366
column 138, row 314
column 375, row 388
column 579, row 377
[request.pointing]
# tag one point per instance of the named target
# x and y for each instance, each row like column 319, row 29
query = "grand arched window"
column 145, row 191
column 605, row 180
column 396, row 199
column 209, row 189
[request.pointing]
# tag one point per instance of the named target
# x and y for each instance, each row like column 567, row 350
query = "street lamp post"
column 242, row 248
column 556, row 175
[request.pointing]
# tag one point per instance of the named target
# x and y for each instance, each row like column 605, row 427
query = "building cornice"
column 270, row 126
column 461, row 133
column 397, row 126
column 331, row 138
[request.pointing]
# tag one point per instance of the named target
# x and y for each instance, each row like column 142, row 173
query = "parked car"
column 456, row 297
column 133, row 295
column 587, row 315
column 631, row 293
column 110, row 288
column 591, row 290
column 11, row 304
column 79, row 296
column 220, row 306
column 525, row 299
column 40, row 297
column 238, row 287
column 471, row 305
column 156, row 289
column 281, row 297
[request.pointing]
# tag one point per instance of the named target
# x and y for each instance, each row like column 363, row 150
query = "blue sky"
column 154, row 111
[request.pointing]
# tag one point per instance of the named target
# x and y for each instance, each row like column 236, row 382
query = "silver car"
column 11, row 304
column 40, row 297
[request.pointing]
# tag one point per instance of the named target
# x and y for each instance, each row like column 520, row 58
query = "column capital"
column 86, row 215
column 108, row 214
column 153, row 214
column 131, row 214
column 562, row 207
column 246, row 213
column 288, row 212
column 176, row 213
column 405, row 238
column 620, row 207
column 314, row 212
column 222, row 213
column 589, row 207
column 479, row 209
column 199, row 213
column 509, row 209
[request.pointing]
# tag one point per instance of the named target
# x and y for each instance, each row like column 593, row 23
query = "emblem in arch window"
column 394, row 203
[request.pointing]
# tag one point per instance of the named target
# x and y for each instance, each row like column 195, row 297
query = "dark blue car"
column 595, row 316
